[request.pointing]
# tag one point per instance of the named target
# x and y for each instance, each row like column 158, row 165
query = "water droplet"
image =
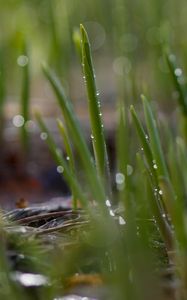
column 129, row 170
column 18, row 121
column 121, row 221
column 120, row 178
column 92, row 137
column 43, row 136
column 142, row 149
column 30, row 279
column 102, row 126
column 155, row 166
column 108, row 203
column 67, row 158
column 178, row 72
column 60, row 169
column 22, row 60
column 111, row 213
column 146, row 136
column 160, row 192
column 97, row 93
column 100, row 114
column 164, row 215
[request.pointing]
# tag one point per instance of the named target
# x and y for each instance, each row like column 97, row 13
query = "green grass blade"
column 69, row 153
column 77, row 137
column 158, row 157
column 25, row 95
column 67, row 172
column 122, row 153
column 77, row 42
column 143, row 139
column 171, row 203
column 94, row 109
column 176, row 74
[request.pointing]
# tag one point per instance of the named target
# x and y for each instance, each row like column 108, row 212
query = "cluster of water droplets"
column 158, row 192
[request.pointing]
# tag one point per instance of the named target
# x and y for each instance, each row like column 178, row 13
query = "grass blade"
column 158, row 157
column 143, row 139
column 25, row 94
column 69, row 153
column 94, row 108
column 77, row 137
column 176, row 74
column 61, row 162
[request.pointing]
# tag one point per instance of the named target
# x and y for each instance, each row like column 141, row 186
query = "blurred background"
column 128, row 40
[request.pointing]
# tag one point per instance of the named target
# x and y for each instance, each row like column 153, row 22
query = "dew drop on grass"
column 18, row 121
column 97, row 93
column 121, row 221
column 155, row 166
column 129, row 170
column 178, row 72
column 22, row 60
column 120, row 178
column 60, row 169
column 160, row 192
column 92, row 137
column 146, row 136
column 108, row 203
column 43, row 136
column 111, row 213
column 67, row 158
column 100, row 114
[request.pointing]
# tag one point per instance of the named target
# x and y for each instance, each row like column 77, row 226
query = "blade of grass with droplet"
column 69, row 176
column 122, row 151
column 158, row 157
column 163, row 225
column 94, row 110
column 25, row 94
column 77, row 137
column 168, row 194
column 69, row 153
column 144, row 142
column 178, row 85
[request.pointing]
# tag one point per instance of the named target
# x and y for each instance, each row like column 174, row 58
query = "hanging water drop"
column 178, row 72
column 43, row 136
column 121, row 221
column 108, row 203
column 60, row 169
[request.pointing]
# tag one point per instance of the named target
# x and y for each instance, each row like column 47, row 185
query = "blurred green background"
column 128, row 38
